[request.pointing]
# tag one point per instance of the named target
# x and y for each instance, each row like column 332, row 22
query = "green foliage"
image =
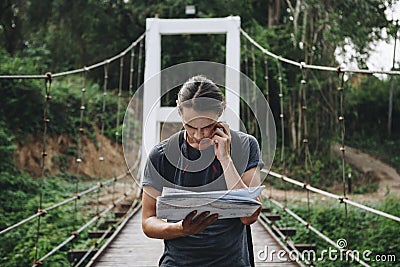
column 367, row 106
column 20, row 199
column 362, row 230
column 7, row 148
column 41, row 36
column 366, row 123
column 62, row 161
column 23, row 103
column 21, row 99
column 366, row 188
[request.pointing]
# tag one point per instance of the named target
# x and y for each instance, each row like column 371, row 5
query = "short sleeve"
column 255, row 158
column 152, row 175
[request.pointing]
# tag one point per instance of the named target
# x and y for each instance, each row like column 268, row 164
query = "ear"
column 177, row 106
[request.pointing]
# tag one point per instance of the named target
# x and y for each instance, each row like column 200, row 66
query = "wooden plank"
column 133, row 248
column 265, row 243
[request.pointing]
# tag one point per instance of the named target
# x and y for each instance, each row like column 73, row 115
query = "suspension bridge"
column 114, row 234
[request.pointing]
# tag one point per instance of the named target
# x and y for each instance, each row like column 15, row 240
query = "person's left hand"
column 252, row 218
column 222, row 141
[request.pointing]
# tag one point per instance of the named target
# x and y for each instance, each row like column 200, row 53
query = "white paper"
column 176, row 204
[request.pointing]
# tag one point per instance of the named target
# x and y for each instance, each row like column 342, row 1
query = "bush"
column 6, row 148
column 361, row 229
column 19, row 200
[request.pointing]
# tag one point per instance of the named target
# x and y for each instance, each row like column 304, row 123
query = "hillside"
column 59, row 159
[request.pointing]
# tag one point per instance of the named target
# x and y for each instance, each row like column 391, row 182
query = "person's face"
column 199, row 125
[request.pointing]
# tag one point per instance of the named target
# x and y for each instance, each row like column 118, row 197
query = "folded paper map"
column 176, row 204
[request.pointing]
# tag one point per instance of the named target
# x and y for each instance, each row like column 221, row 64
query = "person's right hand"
column 191, row 225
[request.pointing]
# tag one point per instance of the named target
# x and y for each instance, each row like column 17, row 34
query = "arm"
column 153, row 227
column 222, row 143
column 157, row 228
column 251, row 178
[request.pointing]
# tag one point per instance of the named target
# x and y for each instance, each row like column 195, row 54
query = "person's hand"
column 252, row 218
column 222, row 142
column 192, row 225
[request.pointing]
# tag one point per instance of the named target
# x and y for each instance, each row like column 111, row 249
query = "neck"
column 190, row 141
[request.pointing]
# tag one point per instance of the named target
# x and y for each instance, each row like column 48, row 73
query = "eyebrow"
column 201, row 127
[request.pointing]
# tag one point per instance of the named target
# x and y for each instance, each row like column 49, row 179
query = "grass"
column 362, row 230
column 17, row 247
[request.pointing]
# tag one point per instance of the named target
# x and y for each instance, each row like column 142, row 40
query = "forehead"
column 198, row 118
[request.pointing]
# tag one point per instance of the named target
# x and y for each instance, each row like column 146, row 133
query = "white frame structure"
column 154, row 113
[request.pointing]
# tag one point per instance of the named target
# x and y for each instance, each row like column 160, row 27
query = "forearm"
column 157, row 228
column 232, row 177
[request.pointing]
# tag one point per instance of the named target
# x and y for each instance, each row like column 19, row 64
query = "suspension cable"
column 102, row 119
column 81, row 229
column 94, row 66
column 63, row 203
column 307, row 157
column 128, row 126
column 330, row 195
column 79, row 152
column 266, row 77
column 267, row 98
column 139, row 77
column 117, row 130
column 246, row 70
column 131, row 70
column 308, row 162
column 46, row 120
column 317, row 232
column 282, row 119
column 303, row 100
column 48, row 79
column 254, row 95
column 342, row 147
column 315, row 67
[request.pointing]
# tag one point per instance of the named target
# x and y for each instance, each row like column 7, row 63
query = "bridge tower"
column 153, row 112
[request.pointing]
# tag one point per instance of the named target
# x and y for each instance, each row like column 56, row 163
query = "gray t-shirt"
column 174, row 163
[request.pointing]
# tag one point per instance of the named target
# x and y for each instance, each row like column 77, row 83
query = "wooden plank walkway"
column 132, row 248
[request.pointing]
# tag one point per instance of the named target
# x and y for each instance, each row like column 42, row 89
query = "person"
column 206, row 155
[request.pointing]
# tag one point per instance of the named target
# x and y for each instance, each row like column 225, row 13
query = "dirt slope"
column 389, row 178
column 28, row 157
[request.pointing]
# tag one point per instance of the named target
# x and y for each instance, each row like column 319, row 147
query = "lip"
column 204, row 140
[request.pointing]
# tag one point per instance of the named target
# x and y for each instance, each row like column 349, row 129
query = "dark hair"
column 201, row 94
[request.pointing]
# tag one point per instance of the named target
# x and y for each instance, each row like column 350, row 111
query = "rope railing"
column 46, row 121
column 317, row 232
column 94, row 66
column 289, row 247
column 331, row 195
column 77, row 195
column 64, row 202
column 128, row 215
column 76, row 233
column 315, row 67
